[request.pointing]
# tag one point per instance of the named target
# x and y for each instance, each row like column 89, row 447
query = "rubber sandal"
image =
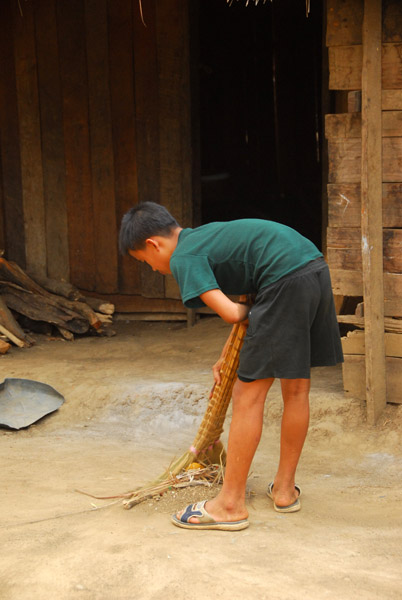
column 206, row 521
column 294, row 507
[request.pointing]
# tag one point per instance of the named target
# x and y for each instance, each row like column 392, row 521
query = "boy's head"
column 146, row 220
column 149, row 234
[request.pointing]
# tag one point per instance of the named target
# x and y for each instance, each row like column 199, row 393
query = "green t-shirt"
column 237, row 257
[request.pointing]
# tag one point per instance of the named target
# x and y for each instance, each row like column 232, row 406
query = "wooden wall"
column 94, row 117
column 343, row 132
column 347, row 215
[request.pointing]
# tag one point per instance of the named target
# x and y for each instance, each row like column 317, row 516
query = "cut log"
column 104, row 318
column 13, row 338
column 99, row 305
column 4, row 347
column 42, row 308
column 12, row 273
column 11, row 328
column 48, row 302
column 60, row 288
column 67, row 335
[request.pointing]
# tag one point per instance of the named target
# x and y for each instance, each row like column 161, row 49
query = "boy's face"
column 157, row 256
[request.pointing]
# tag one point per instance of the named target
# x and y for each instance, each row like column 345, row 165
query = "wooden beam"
column 74, row 79
column 348, row 125
column 123, row 111
column 30, row 140
column 344, row 249
column 10, row 158
column 146, row 97
column 345, row 67
column 344, row 205
column 52, row 140
column 101, row 146
column 371, row 222
column 390, row 324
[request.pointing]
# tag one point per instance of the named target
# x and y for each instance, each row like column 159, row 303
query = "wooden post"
column 371, row 211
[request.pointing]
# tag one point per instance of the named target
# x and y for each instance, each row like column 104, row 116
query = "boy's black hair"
column 142, row 222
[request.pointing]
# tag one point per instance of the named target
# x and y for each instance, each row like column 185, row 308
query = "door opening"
column 260, row 113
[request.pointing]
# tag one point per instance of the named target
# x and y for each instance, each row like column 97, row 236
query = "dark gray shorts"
column 292, row 327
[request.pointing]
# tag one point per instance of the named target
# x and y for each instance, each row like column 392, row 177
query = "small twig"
column 69, row 514
column 141, row 13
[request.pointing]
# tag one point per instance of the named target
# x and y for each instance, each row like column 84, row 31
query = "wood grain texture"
column 73, row 67
column 344, row 22
column 146, row 89
column 372, row 175
column 52, row 140
column 30, row 140
column 344, row 249
column 345, row 160
column 345, row 67
column 354, row 377
column 392, row 99
column 350, row 283
column 101, row 147
column 174, row 102
column 391, row 21
column 121, row 76
column 9, row 142
column 348, row 125
column 344, row 205
column 354, row 343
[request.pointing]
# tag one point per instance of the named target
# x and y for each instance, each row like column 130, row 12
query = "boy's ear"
column 152, row 243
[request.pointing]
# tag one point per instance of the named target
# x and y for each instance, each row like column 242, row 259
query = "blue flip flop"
column 294, row 507
column 205, row 520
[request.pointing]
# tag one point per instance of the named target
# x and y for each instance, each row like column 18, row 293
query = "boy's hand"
column 243, row 311
column 216, row 370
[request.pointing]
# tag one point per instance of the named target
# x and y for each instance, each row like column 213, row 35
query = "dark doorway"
column 260, row 112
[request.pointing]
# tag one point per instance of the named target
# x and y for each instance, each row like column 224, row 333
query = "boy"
column 291, row 326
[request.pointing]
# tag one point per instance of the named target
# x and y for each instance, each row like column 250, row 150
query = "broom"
column 207, row 446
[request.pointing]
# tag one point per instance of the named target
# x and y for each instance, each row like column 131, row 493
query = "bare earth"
column 132, row 404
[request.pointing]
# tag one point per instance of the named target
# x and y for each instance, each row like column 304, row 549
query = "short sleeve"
column 194, row 276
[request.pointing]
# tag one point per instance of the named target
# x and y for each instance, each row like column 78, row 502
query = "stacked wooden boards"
column 354, row 221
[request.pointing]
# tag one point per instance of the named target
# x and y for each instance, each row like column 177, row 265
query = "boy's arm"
column 216, row 369
column 229, row 311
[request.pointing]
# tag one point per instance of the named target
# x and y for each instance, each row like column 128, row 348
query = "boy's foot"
column 293, row 506
column 195, row 516
column 215, row 512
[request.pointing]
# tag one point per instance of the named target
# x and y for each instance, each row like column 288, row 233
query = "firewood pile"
column 46, row 306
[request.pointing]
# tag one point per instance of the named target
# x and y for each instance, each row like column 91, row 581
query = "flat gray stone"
column 24, row 401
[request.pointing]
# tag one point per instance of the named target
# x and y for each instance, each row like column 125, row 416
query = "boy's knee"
column 295, row 387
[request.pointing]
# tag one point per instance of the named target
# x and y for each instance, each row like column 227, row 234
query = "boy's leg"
column 244, row 436
column 295, row 421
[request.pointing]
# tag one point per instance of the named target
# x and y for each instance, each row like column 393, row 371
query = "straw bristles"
column 206, row 447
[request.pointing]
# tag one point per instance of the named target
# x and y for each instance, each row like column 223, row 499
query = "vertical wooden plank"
column 371, row 222
column 30, row 136
column 53, row 164
column 344, row 22
column 147, row 123
column 9, row 142
column 123, row 120
column 146, row 100
column 71, row 35
column 174, row 103
column 101, row 146
column 2, row 229
column 194, row 60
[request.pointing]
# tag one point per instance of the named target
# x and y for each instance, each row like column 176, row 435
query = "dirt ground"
column 134, row 402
